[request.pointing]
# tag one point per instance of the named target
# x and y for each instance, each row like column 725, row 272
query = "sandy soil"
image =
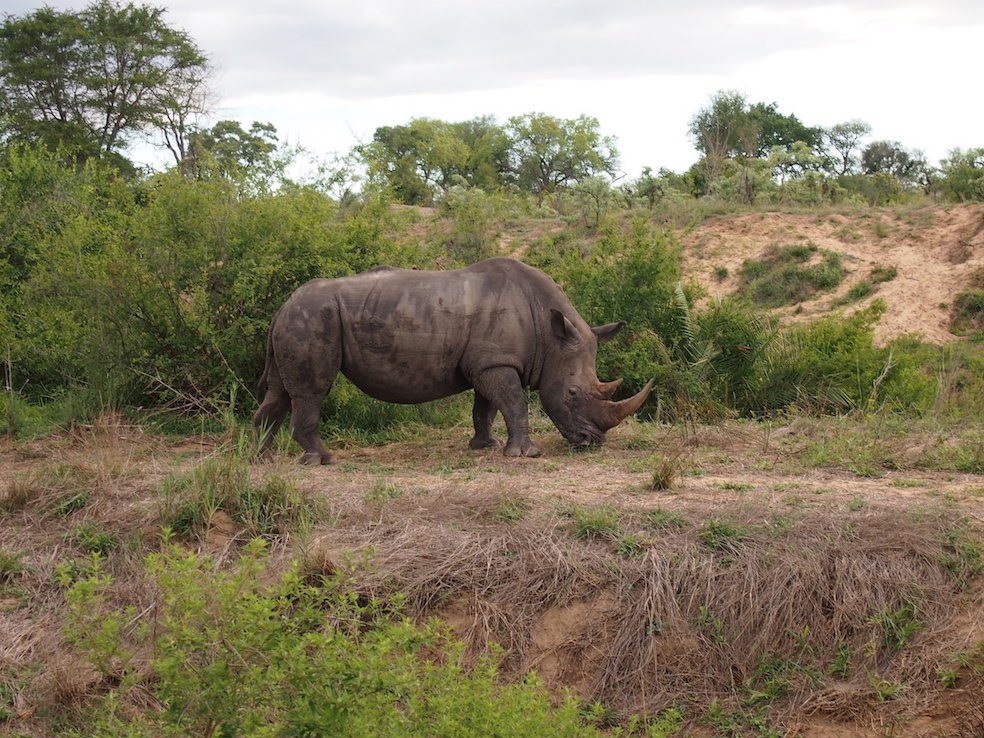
column 935, row 251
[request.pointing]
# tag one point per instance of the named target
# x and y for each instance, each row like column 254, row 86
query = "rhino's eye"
column 572, row 392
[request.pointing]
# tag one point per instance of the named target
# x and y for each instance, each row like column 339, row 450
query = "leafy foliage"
column 87, row 80
column 628, row 275
column 535, row 153
column 964, row 175
column 786, row 275
column 232, row 655
column 547, row 153
column 167, row 287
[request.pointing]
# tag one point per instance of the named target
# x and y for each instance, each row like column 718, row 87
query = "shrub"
column 475, row 218
column 232, row 655
column 628, row 275
column 967, row 314
column 785, row 275
column 164, row 288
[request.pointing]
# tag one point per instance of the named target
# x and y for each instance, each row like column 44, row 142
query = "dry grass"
column 685, row 621
column 790, row 603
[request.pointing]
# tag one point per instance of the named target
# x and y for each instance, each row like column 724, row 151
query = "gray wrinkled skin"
column 405, row 336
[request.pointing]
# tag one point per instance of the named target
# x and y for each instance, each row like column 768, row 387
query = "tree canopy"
column 88, row 81
column 534, row 152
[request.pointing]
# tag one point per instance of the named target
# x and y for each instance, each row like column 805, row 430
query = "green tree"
column 548, row 153
column 652, row 188
column 723, row 129
column 963, row 175
column 842, row 143
column 889, row 157
column 778, row 130
column 426, row 156
column 730, row 128
column 229, row 151
column 90, row 80
column 413, row 158
column 488, row 151
column 392, row 158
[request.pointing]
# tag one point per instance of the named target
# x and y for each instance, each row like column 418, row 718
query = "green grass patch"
column 790, row 274
column 661, row 518
column 594, row 521
column 967, row 313
column 274, row 506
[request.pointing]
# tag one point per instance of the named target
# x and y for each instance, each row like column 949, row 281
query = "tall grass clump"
column 188, row 502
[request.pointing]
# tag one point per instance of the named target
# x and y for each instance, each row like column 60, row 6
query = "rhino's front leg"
column 504, row 390
column 483, row 415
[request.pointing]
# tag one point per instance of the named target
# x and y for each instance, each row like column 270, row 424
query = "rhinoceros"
column 407, row 336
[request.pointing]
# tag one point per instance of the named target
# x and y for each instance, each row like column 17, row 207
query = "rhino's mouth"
column 584, row 436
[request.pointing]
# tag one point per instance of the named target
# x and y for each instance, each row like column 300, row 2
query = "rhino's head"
column 579, row 405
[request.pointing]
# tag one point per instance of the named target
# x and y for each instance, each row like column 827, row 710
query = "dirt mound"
column 934, row 252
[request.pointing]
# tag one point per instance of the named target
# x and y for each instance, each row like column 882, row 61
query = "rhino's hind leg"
column 305, row 413
column 269, row 417
column 503, row 388
column 272, row 411
column 483, row 415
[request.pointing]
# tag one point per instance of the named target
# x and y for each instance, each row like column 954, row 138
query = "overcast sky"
column 328, row 73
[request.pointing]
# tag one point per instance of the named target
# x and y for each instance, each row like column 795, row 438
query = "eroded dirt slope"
column 934, row 250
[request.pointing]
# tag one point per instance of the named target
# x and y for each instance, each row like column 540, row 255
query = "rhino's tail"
column 261, row 383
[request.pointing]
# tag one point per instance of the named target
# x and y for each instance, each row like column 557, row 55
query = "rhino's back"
column 412, row 336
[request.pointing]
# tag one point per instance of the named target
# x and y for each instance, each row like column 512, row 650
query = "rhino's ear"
column 562, row 328
column 608, row 332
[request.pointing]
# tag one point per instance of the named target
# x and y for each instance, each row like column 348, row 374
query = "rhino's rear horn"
column 607, row 389
column 614, row 413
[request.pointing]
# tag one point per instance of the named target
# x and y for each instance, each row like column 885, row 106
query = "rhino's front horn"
column 614, row 413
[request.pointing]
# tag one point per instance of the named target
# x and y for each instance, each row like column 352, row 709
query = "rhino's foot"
column 479, row 443
column 315, row 458
column 525, row 449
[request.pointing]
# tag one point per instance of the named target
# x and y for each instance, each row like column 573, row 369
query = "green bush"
column 626, row 274
column 968, row 312
column 785, row 275
column 231, row 655
column 161, row 292
column 476, row 218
